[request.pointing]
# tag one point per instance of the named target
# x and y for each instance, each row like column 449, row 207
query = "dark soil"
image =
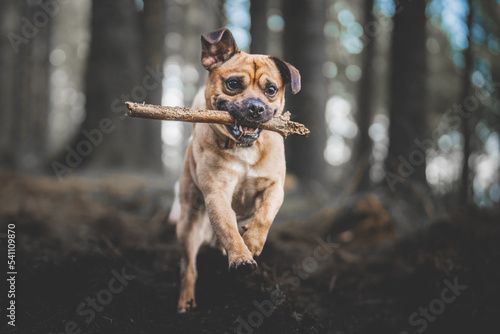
column 343, row 270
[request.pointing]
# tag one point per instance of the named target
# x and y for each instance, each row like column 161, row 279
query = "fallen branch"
column 280, row 124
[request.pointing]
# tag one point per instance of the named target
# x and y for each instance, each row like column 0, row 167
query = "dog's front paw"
column 242, row 266
column 255, row 239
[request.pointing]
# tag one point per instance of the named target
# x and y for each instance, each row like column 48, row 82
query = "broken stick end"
column 129, row 108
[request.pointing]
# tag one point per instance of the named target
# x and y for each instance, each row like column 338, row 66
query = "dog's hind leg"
column 190, row 240
column 193, row 229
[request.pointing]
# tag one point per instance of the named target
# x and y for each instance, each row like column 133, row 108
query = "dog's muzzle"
column 250, row 110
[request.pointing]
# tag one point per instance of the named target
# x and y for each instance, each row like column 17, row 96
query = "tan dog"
column 232, row 173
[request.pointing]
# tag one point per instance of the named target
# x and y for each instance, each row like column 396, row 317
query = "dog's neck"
column 229, row 143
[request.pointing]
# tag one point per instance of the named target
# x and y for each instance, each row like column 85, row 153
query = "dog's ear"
column 289, row 74
column 217, row 47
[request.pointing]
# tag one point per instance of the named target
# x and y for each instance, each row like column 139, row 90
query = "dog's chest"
column 246, row 155
column 244, row 162
column 251, row 181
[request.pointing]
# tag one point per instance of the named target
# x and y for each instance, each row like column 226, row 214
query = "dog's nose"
column 256, row 108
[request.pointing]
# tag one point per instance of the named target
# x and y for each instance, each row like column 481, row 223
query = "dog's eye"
column 233, row 84
column 271, row 91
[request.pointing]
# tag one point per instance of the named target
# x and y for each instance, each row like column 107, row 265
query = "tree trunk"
column 258, row 26
column 8, row 65
column 24, row 85
column 305, row 49
column 405, row 163
column 365, row 102
column 39, row 92
column 154, row 24
column 466, row 190
column 121, row 66
column 495, row 115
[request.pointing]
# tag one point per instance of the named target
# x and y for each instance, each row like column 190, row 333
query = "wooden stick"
column 280, row 124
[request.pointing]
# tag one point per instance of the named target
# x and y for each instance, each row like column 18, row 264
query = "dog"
column 232, row 173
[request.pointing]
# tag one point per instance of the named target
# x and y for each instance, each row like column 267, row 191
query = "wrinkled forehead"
column 258, row 68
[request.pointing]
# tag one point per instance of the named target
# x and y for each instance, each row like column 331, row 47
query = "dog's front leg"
column 256, row 231
column 223, row 221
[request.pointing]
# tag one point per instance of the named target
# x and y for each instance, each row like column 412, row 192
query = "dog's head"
column 249, row 87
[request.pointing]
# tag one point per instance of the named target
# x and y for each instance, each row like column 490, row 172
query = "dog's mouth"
column 244, row 133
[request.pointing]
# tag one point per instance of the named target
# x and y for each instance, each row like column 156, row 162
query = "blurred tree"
column 154, row 25
column 495, row 114
column 485, row 31
column 201, row 17
column 258, row 26
column 365, row 102
column 275, row 29
column 466, row 189
column 124, row 63
column 408, row 128
column 305, row 49
column 24, row 65
column 491, row 12
column 8, row 61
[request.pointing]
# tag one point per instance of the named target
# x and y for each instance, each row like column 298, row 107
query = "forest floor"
column 97, row 256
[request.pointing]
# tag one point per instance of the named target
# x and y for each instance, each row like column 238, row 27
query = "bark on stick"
column 280, row 124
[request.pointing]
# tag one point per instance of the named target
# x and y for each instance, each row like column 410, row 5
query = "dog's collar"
column 229, row 143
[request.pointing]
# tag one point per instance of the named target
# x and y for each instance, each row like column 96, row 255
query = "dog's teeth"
column 241, row 129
